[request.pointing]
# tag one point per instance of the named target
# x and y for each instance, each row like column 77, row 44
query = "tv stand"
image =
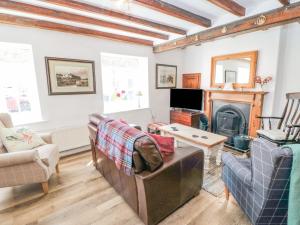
column 185, row 117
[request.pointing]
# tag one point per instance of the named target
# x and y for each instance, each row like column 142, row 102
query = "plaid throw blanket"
column 116, row 140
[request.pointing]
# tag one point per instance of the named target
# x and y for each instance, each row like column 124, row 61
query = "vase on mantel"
column 259, row 88
column 260, row 82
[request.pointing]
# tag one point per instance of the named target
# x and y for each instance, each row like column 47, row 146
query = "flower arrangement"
column 263, row 81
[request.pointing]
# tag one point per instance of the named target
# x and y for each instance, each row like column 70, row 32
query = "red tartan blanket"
column 116, row 140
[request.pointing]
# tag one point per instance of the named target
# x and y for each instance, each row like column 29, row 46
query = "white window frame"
column 31, row 93
column 142, row 101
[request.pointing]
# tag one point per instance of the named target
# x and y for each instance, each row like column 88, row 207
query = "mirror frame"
column 253, row 64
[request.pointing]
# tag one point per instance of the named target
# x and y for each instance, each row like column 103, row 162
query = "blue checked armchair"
column 260, row 184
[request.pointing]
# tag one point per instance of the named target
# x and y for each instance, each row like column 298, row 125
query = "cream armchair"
column 29, row 166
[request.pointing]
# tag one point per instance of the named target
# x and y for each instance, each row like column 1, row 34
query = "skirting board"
column 75, row 151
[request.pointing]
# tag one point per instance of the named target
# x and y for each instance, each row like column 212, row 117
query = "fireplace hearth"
column 230, row 119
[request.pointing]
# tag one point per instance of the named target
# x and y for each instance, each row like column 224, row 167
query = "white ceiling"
column 204, row 8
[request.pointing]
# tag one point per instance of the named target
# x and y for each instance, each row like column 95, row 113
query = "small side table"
column 153, row 128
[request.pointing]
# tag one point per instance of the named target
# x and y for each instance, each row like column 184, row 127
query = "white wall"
column 278, row 57
column 73, row 110
column 288, row 65
column 198, row 58
column 68, row 114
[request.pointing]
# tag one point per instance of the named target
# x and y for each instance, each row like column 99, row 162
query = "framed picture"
column 166, row 76
column 70, row 76
column 230, row 76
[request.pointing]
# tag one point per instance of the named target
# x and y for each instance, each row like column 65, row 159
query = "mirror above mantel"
column 238, row 69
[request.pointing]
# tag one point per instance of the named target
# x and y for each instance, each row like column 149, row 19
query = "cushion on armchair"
column 276, row 135
column 20, row 139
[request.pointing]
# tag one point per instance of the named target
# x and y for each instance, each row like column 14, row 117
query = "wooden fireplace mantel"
column 254, row 98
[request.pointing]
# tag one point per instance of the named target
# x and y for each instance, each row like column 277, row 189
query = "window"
column 18, row 87
column 125, row 82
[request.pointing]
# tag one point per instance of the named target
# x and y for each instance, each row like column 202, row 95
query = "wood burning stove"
column 230, row 119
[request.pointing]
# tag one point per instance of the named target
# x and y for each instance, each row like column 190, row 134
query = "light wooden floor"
column 79, row 196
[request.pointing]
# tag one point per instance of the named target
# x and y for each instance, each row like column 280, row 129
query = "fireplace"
column 230, row 119
column 249, row 102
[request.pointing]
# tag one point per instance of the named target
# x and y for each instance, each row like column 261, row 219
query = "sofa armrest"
column 178, row 180
column 240, row 167
column 17, row 158
column 46, row 136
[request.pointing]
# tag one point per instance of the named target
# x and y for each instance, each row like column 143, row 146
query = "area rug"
column 212, row 182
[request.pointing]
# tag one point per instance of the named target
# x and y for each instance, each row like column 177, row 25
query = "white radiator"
column 68, row 138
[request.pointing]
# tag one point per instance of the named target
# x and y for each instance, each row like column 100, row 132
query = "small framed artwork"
column 70, row 76
column 166, row 76
column 230, row 76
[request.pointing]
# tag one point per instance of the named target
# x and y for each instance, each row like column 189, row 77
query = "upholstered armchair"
column 260, row 184
column 28, row 166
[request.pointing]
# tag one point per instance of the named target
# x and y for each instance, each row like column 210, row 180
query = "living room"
column 120, row 50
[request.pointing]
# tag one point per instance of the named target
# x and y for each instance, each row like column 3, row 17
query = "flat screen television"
column 186, row 98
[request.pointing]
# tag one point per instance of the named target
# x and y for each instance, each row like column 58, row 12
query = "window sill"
column 31, row 123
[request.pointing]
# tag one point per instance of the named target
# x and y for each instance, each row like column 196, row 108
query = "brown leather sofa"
column 152, row 195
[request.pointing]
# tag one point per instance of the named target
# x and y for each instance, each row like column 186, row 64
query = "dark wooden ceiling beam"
column 230, row 6
column 174, row 11
column 284, row 2
column 116, row 14
column 27, row 8
column 41, row 24
column 273, row 18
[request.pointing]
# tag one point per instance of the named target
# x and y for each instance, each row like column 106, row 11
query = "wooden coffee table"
column 210, row 143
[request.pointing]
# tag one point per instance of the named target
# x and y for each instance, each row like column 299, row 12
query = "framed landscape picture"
column 70, row 76
column 166, row 76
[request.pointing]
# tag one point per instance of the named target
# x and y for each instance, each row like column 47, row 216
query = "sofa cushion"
column 149, row 153
column 165, row 144
column 20, row 139
column 138, row 162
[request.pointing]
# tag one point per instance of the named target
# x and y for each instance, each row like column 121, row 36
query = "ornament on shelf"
column 262, row 82
column 224, row 30
column 261, row 20
column 228, row 86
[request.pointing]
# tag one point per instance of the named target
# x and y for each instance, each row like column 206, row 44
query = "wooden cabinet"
column 191, row 80
column 188, row 118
